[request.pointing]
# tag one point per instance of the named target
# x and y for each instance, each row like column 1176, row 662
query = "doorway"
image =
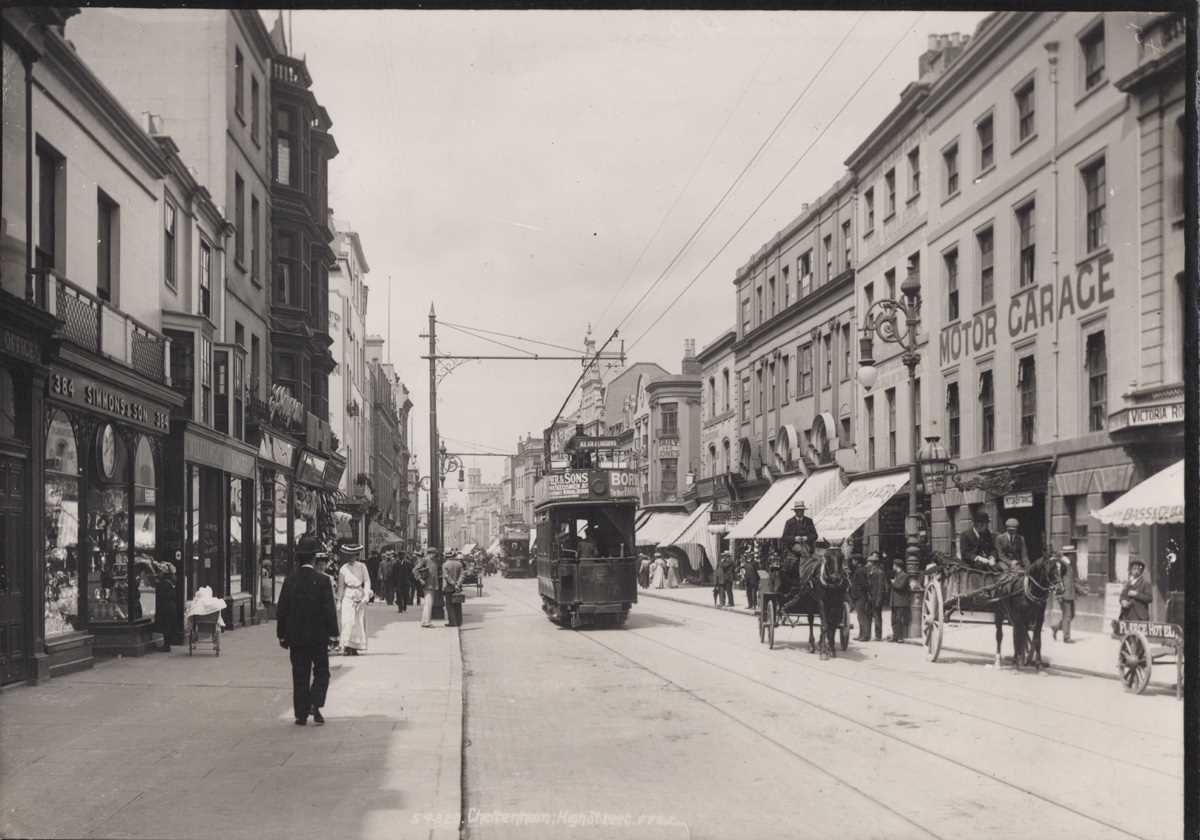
column 13, row 540
column 1033, row 523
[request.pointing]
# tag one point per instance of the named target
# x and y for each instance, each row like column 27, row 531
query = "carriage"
column 1145, row 643
column 785, row 604
column 473, row 575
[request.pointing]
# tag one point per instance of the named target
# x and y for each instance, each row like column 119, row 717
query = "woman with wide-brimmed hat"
column 354, row 591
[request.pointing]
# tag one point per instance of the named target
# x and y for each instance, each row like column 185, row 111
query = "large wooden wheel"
column 933, row 619
column 762, row 621
column 771, row 624
column 844, row 629
column 1134, row 662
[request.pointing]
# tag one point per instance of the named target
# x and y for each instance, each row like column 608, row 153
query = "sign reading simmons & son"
column 1029, row 310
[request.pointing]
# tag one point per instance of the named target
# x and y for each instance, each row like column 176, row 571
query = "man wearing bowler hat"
column 798, row 528
column 305, row 620
column 975, row 545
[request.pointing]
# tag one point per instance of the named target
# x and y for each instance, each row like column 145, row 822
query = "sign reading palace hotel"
column 1030, row 310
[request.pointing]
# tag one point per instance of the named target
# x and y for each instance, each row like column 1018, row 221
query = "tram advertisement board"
column 576, row 484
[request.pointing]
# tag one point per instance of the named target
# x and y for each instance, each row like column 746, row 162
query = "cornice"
column 797, row 311
column 891, row 129
column 712, row 351
column 1151, row 71
column 992, row 35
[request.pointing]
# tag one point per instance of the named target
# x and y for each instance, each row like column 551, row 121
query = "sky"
column 535, row 172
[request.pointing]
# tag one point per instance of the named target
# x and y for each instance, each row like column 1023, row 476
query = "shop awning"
column 468, row 548
column 380, row 536
column 1156, row 501
column 766, row 508
column 658, row 525
column 693, row 530
column 856, row 504
column 817, row 493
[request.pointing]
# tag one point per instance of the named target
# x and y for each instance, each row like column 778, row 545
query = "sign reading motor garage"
column 1030, row 310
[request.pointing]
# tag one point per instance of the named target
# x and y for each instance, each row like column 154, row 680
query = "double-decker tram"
column 585, row 552
column 514, row 551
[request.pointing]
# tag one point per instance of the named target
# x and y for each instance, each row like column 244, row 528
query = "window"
column 758, row 296
column 712, row 396
column 285, row 374
column 239, row 334
column 239, row 219
column 774, row 375
column 804, row 370
column 869, row 202
column 827, row 243
column 1027, row 386
column 787, row 378
column 1092, row 47
column 239, row 82
column 725, row 376
column 805, row 270
column 670, row 476
column 1096, row 363
column 950, row 261
column 787, row 288
column 285, row 165
column 987, row 412
column 1096, row 203
column 986, row 284
column 255, row 354
column 205, row 381
column 1025, row 111
column 771, row 294
column 51, row 167
column 916, row 396
column 183, row 368
column 745, row 399
column 953, row 429
column 254, row 108
column 221, row 406
column 868, row 295
column 846, row 352
column 107, row 252
column 890, row 398
column 1175, row 165
column 287, row 272
column 745, row 316
column 169, row 244
column 1026, row 245
column 669, row 414
column 889, row 280
column 205, row 279
column 255, row 232
column 889, row 182
column 762, row 392
column 914, row 172
column 848, row 244
column 950, row 162
column 725, row 459
column 984, row 131
column 869, row 404
column 712, row 459
column 827, row 359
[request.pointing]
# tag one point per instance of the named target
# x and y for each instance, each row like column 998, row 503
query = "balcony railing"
column 98, row 326
column 1161, row 34
column 292, row 71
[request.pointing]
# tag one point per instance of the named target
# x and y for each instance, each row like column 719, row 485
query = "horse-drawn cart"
column 1144, row 643
column 782, row 605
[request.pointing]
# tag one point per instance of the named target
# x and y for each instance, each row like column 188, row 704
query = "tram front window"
column 593, row 534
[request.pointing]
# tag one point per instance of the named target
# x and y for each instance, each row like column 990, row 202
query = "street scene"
column 615, row 424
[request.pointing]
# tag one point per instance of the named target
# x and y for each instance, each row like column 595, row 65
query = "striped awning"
column 856, row 504
column 766, row 507
column 817, row 492
column 1156, row 501
column 658, row 525
column 693, row 530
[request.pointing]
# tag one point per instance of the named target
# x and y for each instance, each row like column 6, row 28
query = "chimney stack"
column 690, row 366
column 943, row 48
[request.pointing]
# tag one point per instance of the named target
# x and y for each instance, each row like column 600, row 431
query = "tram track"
column 740, row 674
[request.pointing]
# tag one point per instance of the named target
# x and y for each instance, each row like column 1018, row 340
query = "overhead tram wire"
column 738, row 179
column 461, row 327
column 778, row 183
column 683, row 191
column 532, row 355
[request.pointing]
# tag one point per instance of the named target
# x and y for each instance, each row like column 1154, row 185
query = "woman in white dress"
column 354, row 591
column 659, row 571
column 672, row 572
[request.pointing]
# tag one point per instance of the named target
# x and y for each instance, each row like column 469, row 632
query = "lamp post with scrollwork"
column 883, row 320
column 444, row 466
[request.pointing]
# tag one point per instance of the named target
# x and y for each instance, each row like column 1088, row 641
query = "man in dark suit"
column 305, row 621
column 1010, row 548
column 799, row 527
column 975, row 545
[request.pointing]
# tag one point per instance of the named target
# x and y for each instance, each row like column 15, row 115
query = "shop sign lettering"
column 20, row 346
column 1031, row 310
column 1147, row 415
column 1018, row 500
column 110, row 402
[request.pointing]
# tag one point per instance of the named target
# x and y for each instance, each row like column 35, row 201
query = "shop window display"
column 62, row 528
column 241, row 574
column 282, row 554
column 145, row 531
column 108, row 525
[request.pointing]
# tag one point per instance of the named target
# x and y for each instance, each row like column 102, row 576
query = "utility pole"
column 435, row 467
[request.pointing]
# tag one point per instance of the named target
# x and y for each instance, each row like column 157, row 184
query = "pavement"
column 1093, row 654
column 172, row 746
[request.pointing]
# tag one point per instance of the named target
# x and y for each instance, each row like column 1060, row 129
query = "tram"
column 514, row 551
column 586, row 556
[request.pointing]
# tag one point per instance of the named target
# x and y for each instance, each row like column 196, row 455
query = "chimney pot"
column 932, row 42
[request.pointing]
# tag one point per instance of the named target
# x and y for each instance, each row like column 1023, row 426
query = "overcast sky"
column 510, row 168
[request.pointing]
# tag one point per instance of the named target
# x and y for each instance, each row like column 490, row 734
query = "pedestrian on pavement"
column 305, row 622
column 726, row 571
column 373, row 575
column 1069, row 578
column 1011, row 553
column 658, row 571
column 644, row 572
column 427, row 574
column 750, row 572
column 385, row 576
column 672, row 571
column 1136, row 595
column 354, row 592
column 453, row 571
column 877, row 595
column 401, row 581
column 166, row 608
column 416, row 594
column 858, row 597
column 900, row 605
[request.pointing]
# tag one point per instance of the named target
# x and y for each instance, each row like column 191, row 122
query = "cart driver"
column 975, row 545
column 799, row 528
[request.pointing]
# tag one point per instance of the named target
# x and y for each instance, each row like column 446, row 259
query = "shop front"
column 104, row 455
column 25, row 348
column 278, row 528
column 209, row 529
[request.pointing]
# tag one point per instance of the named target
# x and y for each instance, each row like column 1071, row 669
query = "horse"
column 824, row 594
column 1025, row 610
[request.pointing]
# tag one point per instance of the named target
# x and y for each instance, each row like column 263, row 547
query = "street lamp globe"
column 867, row 374
column 935, row 464
column 867, row 371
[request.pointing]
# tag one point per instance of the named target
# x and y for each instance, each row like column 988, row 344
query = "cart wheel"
column 1134, row 662
column 576, row 621
column 191, row 638
column 771, row 625
column 933, row 619
column 844, row 630
column 762, row 622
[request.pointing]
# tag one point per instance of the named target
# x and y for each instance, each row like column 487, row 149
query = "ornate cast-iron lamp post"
column 882, row 319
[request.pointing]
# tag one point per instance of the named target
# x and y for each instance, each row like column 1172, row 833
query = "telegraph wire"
column 738, row 179
column 778, row 183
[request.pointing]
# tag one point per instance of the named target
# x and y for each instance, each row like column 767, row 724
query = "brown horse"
column 1025, row 610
